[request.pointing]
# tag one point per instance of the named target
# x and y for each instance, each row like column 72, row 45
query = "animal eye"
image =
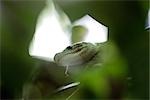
column 69, row 48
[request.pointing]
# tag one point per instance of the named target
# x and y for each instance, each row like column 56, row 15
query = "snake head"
column 76, row 54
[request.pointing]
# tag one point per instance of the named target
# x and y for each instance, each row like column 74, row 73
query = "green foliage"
column 125, row 55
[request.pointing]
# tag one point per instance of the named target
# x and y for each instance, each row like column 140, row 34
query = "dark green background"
column 125, row 19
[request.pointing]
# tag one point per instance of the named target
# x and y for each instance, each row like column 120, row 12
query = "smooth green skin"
column 76, row 54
